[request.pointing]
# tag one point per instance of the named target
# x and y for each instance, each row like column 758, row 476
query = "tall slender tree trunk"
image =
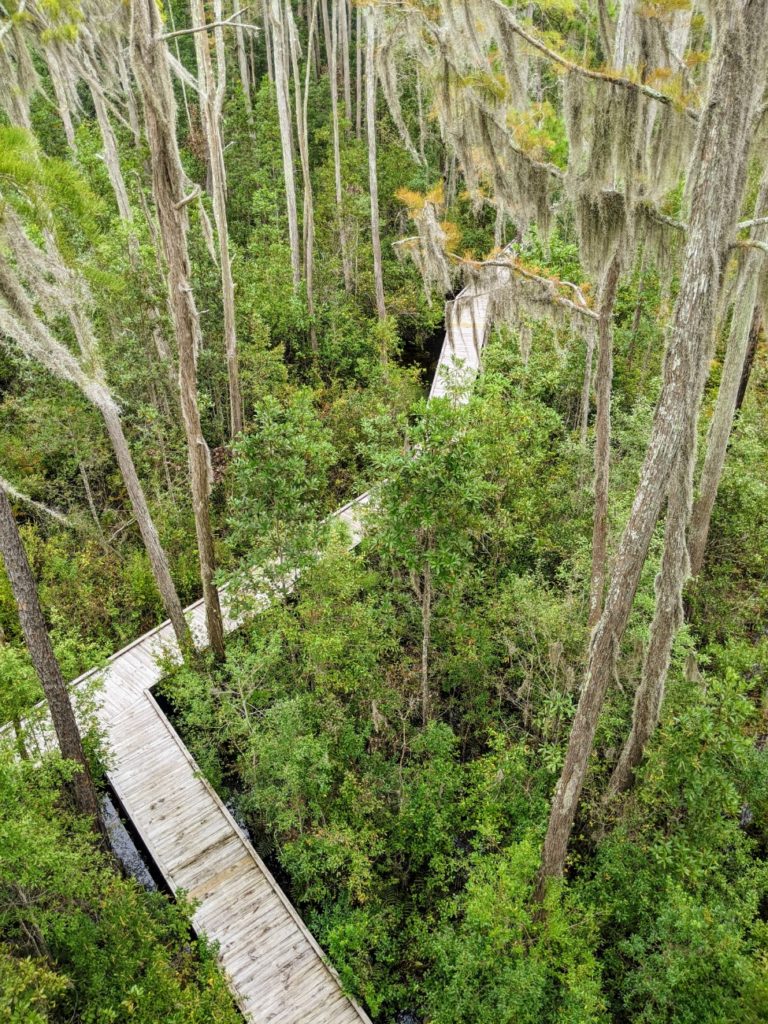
column 359, row 72
column 242, row 61
column 280, row 56
column 145, row 522
column 604, row 386
column 332, row 44
column 212, row 88
column 373, row 174
column 745, row 313
column 342, row 14
column 718, row 172
column 152, row 72
column 303, row 137
column 44, row 660
column 265, row 18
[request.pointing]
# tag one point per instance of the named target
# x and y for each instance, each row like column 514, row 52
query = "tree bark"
column 718, row 172
column 303, row 136
column 279, row 53
column 359, row 72
column 373, row 175
column 145, row 523
column 332, row 43
column 744, row 324
column 40, row 649
column 212, row 88
column 152, row 72
column 604, row 382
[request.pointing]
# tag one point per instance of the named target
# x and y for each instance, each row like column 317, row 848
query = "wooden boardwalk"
column 276, row 970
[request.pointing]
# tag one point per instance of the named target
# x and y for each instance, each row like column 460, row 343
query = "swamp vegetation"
column 509, row 756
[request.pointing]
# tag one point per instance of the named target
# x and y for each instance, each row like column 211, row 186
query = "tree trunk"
column 718, row 172
column 153, row 76
column 268, row 39
column 242, row 61
column 373, row 175
column 744, row 324
column 359, row 72
column 92, row 507
column 426, row 631
column 36, row 340
column 279, row 52
column 586, row 390
column 342, row 14
column 212, row 88
column 303, row 136
column 44, row 660
column 145, row 522
column 332, row 43
column 604, row 381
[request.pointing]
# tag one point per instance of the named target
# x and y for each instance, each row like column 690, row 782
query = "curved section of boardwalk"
column 277, row 972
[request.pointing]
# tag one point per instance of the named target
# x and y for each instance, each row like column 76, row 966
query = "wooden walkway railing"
column 276, row 970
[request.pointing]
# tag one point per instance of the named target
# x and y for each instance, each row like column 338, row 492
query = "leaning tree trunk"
column 44, row 660
column 212, row 88
column 718, row 171
column 604, row 382
column 373, row 175
column 36, row 341
column 150, row 62
column 676, row 565
column 279, row 52
column 728, row 394
column 145, row 522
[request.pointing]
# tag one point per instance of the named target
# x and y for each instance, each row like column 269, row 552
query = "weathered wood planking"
column 277, row 972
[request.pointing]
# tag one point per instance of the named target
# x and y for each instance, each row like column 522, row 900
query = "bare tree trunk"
column 302, row 132
column 268, row 39
column 586, row 390
column 742, row 327
column 718, row 171
column 145, row 522
column 603, row 390
column 332, row 42
column 92, row 506
column 667, row 619
column 426, row 631
column 150, row 63
column 41, row 652
column 359, row 72
column 749, row 359
column 373, row 175
column 279, row 51
column 342, row 14
column 212, row 88
column 242, row 62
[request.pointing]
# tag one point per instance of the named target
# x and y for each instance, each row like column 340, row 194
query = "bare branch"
column 230, row 22
column 13, row 492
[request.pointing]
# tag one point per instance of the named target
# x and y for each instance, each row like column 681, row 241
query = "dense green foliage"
column 392, row 729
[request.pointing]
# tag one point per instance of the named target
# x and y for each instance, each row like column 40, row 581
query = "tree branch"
column 230, row 22
column 569, row 65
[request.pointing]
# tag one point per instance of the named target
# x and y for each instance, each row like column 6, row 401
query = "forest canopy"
column 500, row 728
